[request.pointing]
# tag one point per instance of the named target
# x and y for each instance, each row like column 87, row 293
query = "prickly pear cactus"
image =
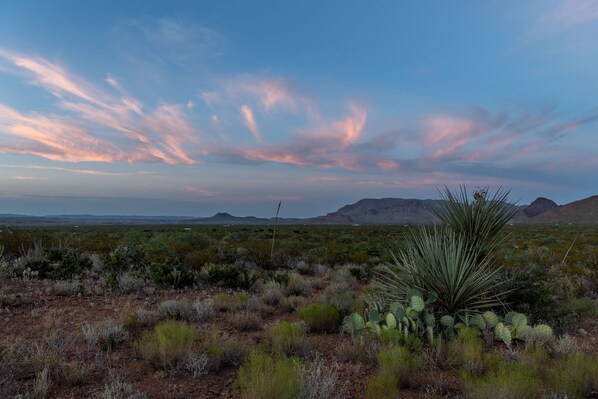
column 373, row 326
column 501, row 332
column 391, row 321
column 429, row 319
column 397, row 310
column 374, row 316
column 543, row 333
column 490, row 318
column 417, row 303
column 479, row 322
column 353, row 324
column 525, row 333
column 509, row 317
column 518, row 320
column 447, row 321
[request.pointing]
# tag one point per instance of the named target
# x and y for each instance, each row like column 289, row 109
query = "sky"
column 193, row 108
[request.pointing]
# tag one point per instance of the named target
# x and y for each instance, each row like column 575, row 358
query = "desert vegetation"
column 469, row 308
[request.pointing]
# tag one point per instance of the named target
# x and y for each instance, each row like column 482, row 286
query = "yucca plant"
column 480, row 221
column 439, row 261
column 453, row 261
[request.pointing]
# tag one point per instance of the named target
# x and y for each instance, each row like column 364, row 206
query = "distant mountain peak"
column 222, row 215
column 539, row 206
column 584, row 211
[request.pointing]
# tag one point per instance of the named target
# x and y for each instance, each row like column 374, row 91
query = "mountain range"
column 365, row 211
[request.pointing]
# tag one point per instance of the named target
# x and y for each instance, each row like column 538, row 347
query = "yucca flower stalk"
column 480, row 221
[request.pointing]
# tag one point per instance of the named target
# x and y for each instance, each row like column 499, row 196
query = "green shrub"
column 399, row 363
column 213, row 347
column 381, row 386
column 465, row 350
column 124, row 258
column 391, row 337
column 508, row 381
column 264, row 377
column 223, row 350
column 535, row 358
column 289, row 338
column 168, row 345
column 69, row 264
column 225, row 275
column 231, row 303
column 531, row 289
column 171, row 273
column 575, row 376
column 320, row 317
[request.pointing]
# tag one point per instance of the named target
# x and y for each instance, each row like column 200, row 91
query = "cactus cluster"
column 512, row 327
column 413, row 317
column 416, row 316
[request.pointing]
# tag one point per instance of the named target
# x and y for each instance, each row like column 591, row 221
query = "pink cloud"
column 446, row 134
column 53, row 138
column 160, row 135
column 250, row 122
column 388, row 165
column 52, row 77
column 323, row 146
column 344, row 132
column 174, row 132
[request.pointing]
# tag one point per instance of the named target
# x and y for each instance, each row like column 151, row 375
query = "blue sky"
column 189, row 108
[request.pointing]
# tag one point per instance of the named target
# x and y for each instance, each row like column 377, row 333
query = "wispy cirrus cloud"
column 173, row 131
column 54, row 138
column 324, row 145
column 250, row 122
column 104, row 123
column 446, row 134
column 158, row 135
column 50, row 76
